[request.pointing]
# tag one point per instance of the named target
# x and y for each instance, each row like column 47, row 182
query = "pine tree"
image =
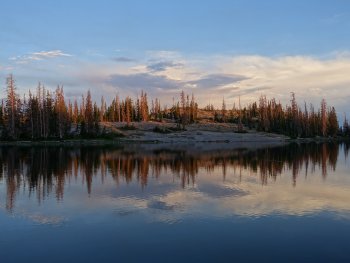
column 89, row 117
column 96, row 115
column 128, row 105
column 118, row 117
column 2, row 113
column 61, row 112
column 323, row 117
column 103, row 109
column 75, row 112
column 346, row 127
column 264, row 122
column 144, row 106
column 240, row 126
column 223, row 110
column 332, row 123
column 12, row 108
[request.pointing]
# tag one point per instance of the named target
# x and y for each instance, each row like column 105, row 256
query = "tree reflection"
column 47, row 170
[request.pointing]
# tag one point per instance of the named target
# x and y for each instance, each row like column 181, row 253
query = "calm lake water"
column 133, row 204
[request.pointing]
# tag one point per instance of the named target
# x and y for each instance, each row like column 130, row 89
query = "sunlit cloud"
column 247, row 76
column 211, row 77
column 310, row 78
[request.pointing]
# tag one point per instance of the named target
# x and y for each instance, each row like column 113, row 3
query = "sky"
column 214, row 49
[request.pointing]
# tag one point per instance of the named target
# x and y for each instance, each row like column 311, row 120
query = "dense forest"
column 49, row 115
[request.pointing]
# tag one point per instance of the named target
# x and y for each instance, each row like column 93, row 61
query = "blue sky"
column 211, row 48
column 234, row 27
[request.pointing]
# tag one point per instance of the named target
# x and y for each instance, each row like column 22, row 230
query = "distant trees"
column 188, row 112
column 44, row 114
column 223, row 110
column 346, row 127
column 332, row 122
column 291, row 120
column 2, row 113
column 323, row 117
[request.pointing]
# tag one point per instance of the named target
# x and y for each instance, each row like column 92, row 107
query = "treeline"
column 291, row 120
column 45, row 115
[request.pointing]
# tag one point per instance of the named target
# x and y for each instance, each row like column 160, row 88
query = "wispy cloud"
column 213, row 81
column 142, row 81
column 164, row 54
column 334, row 19
column 41, row 55
column 49, row 54
column 163, row 65
column 123, row 59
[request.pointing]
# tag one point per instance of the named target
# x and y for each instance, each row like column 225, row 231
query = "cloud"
column 164, row 54
column 213, row 81
column 209, row 77
column 48, row 54
column 309, row 77
column 151, row 82
column 123, row 59
column 47, row 220
column 163, row 65
column 41, row 55
column 333, row 19
column 248, row 198
column 142, row 81
column 237, row 92
column 220, row 191
column 40, row 219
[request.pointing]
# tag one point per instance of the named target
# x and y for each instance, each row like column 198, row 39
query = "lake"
column 157, row 203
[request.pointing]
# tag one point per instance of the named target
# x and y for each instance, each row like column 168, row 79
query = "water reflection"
column 46, row 171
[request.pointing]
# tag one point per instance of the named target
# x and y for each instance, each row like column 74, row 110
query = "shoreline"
column 230, row 140
column 154, row 133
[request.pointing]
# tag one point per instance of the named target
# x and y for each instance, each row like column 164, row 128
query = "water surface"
column 167, row 204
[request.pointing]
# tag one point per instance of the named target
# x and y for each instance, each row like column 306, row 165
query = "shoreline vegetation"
column 49, row 118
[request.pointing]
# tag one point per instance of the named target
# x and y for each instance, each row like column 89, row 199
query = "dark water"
column 152, row 204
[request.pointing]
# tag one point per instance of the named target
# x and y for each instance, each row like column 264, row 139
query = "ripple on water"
column 219, row 191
